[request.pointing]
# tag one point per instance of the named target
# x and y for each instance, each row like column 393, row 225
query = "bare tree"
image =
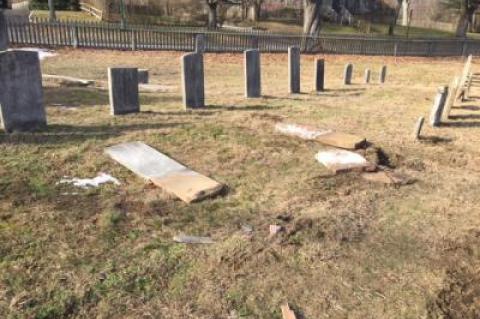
column 252, row 9
column 212, row 6
column 311, row 16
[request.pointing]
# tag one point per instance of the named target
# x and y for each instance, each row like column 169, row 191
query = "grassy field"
column 353, row 249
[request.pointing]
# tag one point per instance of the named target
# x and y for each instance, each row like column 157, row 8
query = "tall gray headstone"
column 123, row 90
column 21, row 93
column 193, row 82
column 438, row 106
column 383, row 74
column 253, row 86
column 368, row 74
column 294, row 69
column 200, row 43
column 319, row 75
column 347, row 75
column 3, row 32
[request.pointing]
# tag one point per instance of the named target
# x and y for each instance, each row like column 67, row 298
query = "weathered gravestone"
column 253, row 86
column 347, row 75
column 438, row 106
column 200, row 43
column 3, row 32
column 123, row 90
column 319, row 75
column 193, row 82
column 452, row 93
column 143, row 76
column 294, row 69
column 418, row 128
column 368, row 74
column 383, row 74
column 21, row 93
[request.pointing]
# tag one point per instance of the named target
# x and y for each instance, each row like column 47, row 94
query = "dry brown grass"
column 352, row 250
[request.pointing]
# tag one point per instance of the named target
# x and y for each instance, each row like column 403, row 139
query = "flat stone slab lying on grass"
column 21, row 92
column 339, row 161
column 164, row 172
column 184, row 239
column 386, row 177
column 327, row 137
column 67, row 80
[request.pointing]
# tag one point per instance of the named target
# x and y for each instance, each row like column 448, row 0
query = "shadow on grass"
column 61, row 134
column 435, row 140
column 467, row 107
column 464, row 116
column 462, row 124
column 241, row 108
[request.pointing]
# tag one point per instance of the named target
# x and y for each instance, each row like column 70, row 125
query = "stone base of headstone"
column 143, row 76
column 319, row 75
column 253, row 87
column 193, row 82
column 21, row 92
column 294, row 69
column 347, row 75
column 123, row 90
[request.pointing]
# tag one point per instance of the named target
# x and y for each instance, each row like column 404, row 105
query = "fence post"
column 74, row 34
column 133, row 36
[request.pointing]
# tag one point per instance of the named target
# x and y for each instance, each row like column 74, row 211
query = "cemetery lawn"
column 353, row 249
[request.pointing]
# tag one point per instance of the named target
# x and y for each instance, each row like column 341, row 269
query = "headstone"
column 123, row 90
column 193, row 82
column 200, row 43
column 143, row 76
column 383, row 74
column 438, row 106
column 253, row 86
column 319, row 75
column 3, row 32
column 294, row 69
column 348, row 73
column 368, row 74
column 418, row 128
column 452, row 93
column 21, row 93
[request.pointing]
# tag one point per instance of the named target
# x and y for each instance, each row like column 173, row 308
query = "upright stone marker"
column 383, row 74
column 294, row 69
column 3, row 32
column 452, row 93
column 200, row 43
column 438, row 105
column 347, row 75
column 319, row 75
column 253, row 86
column 418, row 128
column 368, row 74
column 193, row 82
column 123, row 90
column 143, row 76
column 21, row 93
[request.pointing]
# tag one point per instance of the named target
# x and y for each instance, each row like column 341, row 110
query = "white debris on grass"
column 102, row 178
column 185, row 239
column 300, row 131
column 42, row 53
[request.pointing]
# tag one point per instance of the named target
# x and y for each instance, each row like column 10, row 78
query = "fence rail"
column 112, row 36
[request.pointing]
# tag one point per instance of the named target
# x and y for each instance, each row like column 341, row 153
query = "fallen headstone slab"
column 287, row 313
column 164, row 172
column 339, row 161
column 67, row 80
column 184, row 239
column 386, row 177
column 327, row 137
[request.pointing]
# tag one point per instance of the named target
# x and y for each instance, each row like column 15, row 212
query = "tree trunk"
column 462, row 25
column 311, row 16
column 254, row 12
column 51, row 11
column 212, row 16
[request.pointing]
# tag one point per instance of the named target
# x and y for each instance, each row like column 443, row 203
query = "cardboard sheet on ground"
column 342, row 161
column 164, row 172
column 327, row 137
